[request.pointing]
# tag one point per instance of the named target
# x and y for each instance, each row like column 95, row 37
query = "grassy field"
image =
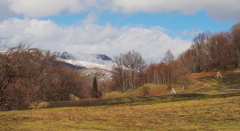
column 215, row 105
column 210, row 114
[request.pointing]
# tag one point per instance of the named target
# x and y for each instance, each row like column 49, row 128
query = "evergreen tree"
column 95, row 93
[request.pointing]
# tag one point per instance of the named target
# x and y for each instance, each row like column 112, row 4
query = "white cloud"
column 5, row 12
column 90, row 38
column 183, row 6
column 222, row 10
column 42, row 8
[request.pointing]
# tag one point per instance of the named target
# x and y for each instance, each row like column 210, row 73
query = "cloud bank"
column 218, row 9
column 222, row 10
column 152, row 43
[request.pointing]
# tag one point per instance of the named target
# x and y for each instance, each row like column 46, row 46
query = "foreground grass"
column 207, row 114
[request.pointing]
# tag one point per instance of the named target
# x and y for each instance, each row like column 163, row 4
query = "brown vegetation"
column 209, row 52
column 28, row 75
column 219, row 51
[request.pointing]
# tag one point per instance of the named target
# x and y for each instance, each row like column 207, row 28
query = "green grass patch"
column 190, row 127
column 38, row 105
column 145, row 90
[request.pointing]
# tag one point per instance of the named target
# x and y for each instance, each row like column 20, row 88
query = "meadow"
column 215, row 105
column 208, row 114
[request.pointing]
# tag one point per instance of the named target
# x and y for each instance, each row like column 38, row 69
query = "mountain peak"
column 103, row 57
column 64, row 55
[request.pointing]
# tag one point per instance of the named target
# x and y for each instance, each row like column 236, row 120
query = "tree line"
column 217, row 51
column 131, row 71
column 208, row 52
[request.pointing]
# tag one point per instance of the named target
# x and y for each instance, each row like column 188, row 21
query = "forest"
column 28, row 74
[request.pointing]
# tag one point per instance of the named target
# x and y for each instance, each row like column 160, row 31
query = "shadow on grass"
column 230, row 80
column 127, row 100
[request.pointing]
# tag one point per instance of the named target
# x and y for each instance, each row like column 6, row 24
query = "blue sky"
column 113, row 26
column 174, row 23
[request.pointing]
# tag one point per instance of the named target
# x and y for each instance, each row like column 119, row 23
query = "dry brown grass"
column 202, row 74
column 209, row 114
column 197, row 83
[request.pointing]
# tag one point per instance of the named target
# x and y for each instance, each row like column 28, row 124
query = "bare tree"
column 127, row 69
column 199, row 51
column 235, row 40
column 168, row 58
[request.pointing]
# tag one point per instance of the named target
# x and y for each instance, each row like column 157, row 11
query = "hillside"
column 229, row 83
column 210, row 104
column 204, row 87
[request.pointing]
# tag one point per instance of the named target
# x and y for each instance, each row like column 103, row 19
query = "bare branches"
column 168, row 58
column 219, row 51
column 28, row 75
column 128, row 68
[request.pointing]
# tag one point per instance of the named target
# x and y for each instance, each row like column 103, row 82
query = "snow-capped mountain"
column 88, row 64
column 91, row 58
column 86, row 60
column 64, row 55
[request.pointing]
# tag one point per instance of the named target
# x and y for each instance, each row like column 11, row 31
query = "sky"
column 111, row 27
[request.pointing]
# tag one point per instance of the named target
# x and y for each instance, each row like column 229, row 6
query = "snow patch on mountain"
column 91, row 58
column 86, row 60
column 88, row 64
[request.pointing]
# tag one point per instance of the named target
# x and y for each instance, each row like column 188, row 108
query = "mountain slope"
column 91, row 58
column 90, row 61
column 88, row 64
